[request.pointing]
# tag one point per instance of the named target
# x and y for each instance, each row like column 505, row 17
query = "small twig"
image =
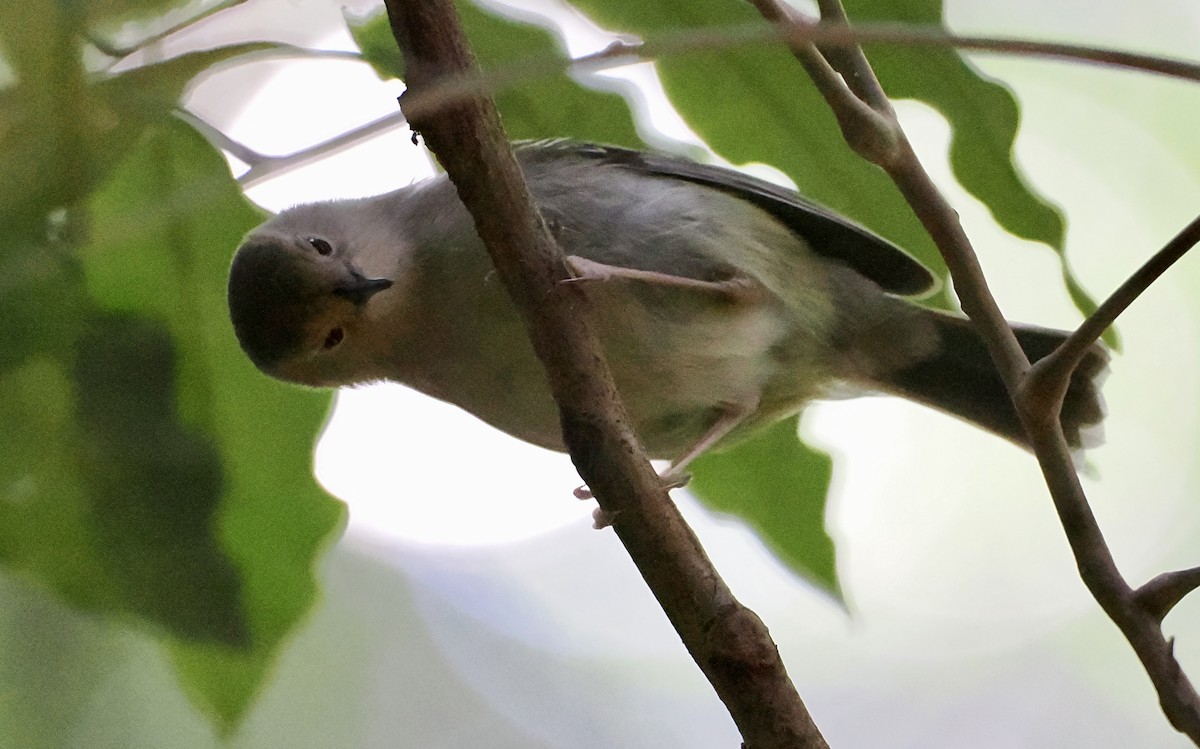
column 850, row 60
column 866, row 127
column 453, row 88
column 840, row 35
column 218, row 139
column 879, row 138
column 1160, row 595
column 1137, row 615
column 1058, row 366
column 727, row 641
column 271, row 166
column 841, row 87
column 262, row 166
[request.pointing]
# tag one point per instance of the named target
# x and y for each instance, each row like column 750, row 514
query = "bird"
column 724, row 303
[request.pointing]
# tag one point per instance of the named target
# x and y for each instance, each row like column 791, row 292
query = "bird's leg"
column 736, row 288
column 730, row 416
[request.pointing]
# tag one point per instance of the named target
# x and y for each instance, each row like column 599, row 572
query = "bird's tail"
column 962, row 380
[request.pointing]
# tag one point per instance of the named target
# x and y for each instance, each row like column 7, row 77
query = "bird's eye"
column 334, row 338
column 320, row 245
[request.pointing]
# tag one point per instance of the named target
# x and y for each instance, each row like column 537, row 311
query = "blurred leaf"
column 42, row 304
column 148, row 93
column 777, row 485
column 39, row 37
column 149, row 468
column 105, row 496
column 61, row 135
column 107, row 11
column 164, row 228
column 549, row 107
column 153, row 484
column 44, row 510
column 45, row 117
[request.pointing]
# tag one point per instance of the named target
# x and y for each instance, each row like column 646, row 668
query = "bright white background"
column 471, row 604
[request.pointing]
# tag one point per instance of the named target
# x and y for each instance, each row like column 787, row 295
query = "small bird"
column 724, row 303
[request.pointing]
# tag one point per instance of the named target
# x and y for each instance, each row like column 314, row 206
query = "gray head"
column 297, row 303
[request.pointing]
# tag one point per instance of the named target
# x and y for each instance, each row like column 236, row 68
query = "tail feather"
column 962, row 380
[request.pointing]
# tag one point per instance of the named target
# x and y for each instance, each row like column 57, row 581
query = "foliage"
column 151, row 474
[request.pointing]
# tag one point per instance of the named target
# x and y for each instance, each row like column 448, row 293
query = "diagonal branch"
column 264, row 166
column 878, row 138
column 728, row 642
column 797, row 30
column 1161, row 594
column 1055, row 370
column 1138, row 614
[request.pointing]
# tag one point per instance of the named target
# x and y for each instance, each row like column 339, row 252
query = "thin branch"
column 219, row 140
column 798, row 33
column 1137, row 616
column 728, row 642
column 262, row 166
column 1058, row 366
column 1161, row 594
column 271, row 166
column 840, row 35
column 850, row 60
column 879, row 138
column 841, row 87
column 865, row 127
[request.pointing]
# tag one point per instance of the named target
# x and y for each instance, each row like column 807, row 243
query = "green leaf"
column 42, row 304
column 164, row 228
column 45, row 117
column 60, row 134
column 777, row 485
column 983, row 116
column 544, row 107
column 150, row 471
column 146, row 94
column 153, row 484
column 982, row 113
column 40, row 37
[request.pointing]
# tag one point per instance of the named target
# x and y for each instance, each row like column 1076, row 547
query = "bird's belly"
column 676, row 374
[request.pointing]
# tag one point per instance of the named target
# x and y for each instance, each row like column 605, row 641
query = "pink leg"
column 675, row 476
column 734, row 289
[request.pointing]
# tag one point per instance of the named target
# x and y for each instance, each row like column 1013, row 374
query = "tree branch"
column 728, row 642
column 1161, row 594
column 796, row 30
column 1057, row 367
column 264, row 166
column 1138, row 614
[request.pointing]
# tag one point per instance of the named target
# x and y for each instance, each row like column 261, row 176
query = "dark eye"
column 320, row 245
column 334, row 338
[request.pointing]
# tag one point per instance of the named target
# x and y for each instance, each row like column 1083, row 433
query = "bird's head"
column 299, row 308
